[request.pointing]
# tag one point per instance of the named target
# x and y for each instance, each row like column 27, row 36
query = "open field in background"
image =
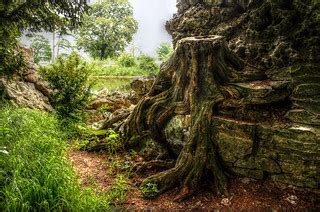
column 124, row 65
column 111, row 83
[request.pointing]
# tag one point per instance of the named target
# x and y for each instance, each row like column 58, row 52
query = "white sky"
column 151, row 16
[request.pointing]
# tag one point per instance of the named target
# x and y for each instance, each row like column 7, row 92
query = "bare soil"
column 98, row 170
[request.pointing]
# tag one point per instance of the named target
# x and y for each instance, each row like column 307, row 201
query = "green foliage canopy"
column 46, row 15
column 33, row 15
column 11, row 58
column 108, row 30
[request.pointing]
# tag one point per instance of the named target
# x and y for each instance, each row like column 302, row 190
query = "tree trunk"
column 53, row 44
column 190, row 83
column 58, row 46
column 103, row 52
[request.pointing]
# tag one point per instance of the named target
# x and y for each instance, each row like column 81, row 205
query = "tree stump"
column 193, row 82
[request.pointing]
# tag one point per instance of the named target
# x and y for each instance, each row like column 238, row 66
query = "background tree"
column 108, row 30
column 40, row 47
column 11, row 59
column 34, row 15
column 164, row 51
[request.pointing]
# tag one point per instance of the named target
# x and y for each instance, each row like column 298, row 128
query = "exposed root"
column 154, row 164
column 109, row 123
column 198, row 162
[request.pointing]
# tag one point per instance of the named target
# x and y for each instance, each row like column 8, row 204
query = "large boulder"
column 287, row 153
column 23, row 94
column 287, row 34
column 28, row 88
column 111, row 101
column 141, row 86
column 106, row 105
column 268, row 127
column 40, row 84
column 305, row 95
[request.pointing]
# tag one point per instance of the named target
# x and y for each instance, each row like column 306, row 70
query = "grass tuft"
column 34, row 172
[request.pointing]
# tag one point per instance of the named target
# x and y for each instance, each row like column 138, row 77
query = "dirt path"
column 99, row 171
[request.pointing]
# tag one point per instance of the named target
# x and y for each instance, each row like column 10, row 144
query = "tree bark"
column 190, row 83
column 103, row 52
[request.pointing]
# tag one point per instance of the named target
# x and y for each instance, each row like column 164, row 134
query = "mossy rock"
column 303, row 116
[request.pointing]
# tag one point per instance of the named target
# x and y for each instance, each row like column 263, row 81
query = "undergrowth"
column 117, row 194
column 34, row 172
column 149, row 191
column 94, row 140
column 69, row 79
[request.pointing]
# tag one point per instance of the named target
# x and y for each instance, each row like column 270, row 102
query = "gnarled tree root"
column 199, row 162
column 191, row 83
column 109, row 123
column 153, row 164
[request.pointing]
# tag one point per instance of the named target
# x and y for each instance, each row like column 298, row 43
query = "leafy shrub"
column 11, row 55
column 79, row 143
column 126, row 60
column 34, row 172
column 150, row 191
column 119, row 165
column 113, row 142
column 164, row 51
column 69, row 79
column 147, row 63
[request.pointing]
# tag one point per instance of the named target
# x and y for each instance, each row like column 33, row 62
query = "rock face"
column 24, row 94
column 285, row 152
column 31, row 76
column 113, row 101
column 269, row 126
column 29, row 89
column 267, row 34
column 105, row 106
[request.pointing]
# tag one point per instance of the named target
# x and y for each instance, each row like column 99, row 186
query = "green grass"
column 34, row 172
column 109, row 67
column 112, row 84
column 118, row 192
